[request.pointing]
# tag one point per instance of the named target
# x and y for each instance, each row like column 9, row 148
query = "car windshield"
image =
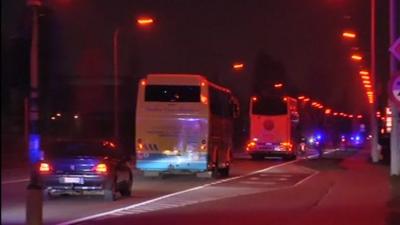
column 66, row 149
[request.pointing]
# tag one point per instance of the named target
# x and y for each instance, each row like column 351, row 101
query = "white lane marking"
column 258, row 182
column 324, row 153
column 14, row 181
column 286, row 175
column 307, row 178
column 170, row 195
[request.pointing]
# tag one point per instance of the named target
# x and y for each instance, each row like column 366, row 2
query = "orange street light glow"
column 145, row 21
column 365, row 77
column 368, row 86
column 356, row 57
column 238, row 66
column 366, row 82
column 254, row 98
column 363, row 72
column 349, row 34
column 278, row 85
column 307, row 99
column 300, row 97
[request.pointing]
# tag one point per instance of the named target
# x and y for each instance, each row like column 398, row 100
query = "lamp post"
column 373, row 122
column 395, row 133
column 34, row 203
column 116, row 81
column 143, row 22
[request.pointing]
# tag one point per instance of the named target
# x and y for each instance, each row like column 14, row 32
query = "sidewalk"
column 360, row 193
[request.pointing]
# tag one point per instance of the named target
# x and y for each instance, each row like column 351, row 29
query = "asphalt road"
column 65, row 209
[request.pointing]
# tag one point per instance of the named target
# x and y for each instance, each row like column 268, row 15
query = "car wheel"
column 257, row 157
column 109, row 190
column 47, row 195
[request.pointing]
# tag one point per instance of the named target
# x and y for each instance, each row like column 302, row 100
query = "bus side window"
column 215, row 105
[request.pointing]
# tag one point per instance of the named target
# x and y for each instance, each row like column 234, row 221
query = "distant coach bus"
column 184, row 124
column 273, row 122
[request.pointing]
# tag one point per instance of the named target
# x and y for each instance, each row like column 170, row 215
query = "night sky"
column 203, row 37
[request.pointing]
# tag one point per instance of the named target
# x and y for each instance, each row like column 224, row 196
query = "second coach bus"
column 184, row 124
column 273, row 127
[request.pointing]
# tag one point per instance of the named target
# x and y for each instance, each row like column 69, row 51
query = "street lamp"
column 142, row 21
column 238, row 66
column 349, row 34
column 145, row 21
column 356, row 57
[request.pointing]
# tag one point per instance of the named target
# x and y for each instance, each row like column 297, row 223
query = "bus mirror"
column 295, row 118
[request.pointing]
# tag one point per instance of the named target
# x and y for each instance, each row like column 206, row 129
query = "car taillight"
column 44, row 167
column 101, row 168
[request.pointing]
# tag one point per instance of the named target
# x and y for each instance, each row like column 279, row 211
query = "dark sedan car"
column 85, row 166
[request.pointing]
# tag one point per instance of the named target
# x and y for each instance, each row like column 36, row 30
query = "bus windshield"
column 172, row 93
column 269, row 106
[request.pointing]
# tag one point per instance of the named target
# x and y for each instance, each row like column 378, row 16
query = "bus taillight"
column 251, row 145
column 286, row 145
column 204, row 99
column 139, row 144
column 203, row 146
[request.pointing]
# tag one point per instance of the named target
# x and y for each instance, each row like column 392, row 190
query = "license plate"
column 71, row 180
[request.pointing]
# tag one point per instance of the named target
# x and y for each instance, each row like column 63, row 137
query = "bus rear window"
column 269, row 106
column 172, row 93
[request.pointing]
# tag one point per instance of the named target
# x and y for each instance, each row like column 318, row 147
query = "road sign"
column 395, row 49
column 34, row 2
column 394, row 89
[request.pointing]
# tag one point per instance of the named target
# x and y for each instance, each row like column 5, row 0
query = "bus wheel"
column 290, row 157
column 125, row 186
column 110, row 190
column 215, row 173
column 224, row 172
